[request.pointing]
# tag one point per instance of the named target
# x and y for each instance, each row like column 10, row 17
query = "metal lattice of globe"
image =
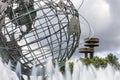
column 34, row 31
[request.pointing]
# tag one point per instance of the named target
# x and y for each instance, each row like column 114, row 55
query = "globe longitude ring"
column 34, row 31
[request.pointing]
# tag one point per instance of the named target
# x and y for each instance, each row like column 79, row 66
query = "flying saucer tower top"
column 33, row 31
column 90, row 43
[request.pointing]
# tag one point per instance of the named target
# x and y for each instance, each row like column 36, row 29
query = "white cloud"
column 97, row 14
column 102, row 55
column 103, row 16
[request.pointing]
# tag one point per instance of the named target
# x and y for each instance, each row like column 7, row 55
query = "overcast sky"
column 104, row 18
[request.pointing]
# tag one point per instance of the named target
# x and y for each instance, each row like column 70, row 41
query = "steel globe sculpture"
column 33, row 31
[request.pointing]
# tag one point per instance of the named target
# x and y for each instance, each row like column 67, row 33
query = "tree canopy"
column 97, row 62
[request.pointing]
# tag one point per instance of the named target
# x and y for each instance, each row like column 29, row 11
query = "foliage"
column 71, row 64
column 102, row 62
column 97, row 62
column 113, row 60
column 62, row 69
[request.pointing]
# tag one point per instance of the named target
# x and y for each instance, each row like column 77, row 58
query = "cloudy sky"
column 104, row 17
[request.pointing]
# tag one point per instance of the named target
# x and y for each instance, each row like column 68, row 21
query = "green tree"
column 97, row 62
column 113, row 60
